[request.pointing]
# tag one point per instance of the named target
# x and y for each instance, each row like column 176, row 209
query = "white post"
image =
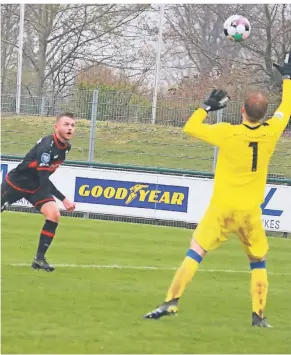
column 92, row 139
column 219, row 119
column 158, row 64
column 19, row 65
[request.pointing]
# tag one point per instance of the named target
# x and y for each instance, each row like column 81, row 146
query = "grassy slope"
column 134, row 144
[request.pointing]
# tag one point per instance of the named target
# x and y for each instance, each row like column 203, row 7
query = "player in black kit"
column 30, row 179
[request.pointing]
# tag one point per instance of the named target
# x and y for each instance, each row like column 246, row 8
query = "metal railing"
column 116, row 127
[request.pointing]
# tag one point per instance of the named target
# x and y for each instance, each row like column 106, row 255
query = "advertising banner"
column 165, row 197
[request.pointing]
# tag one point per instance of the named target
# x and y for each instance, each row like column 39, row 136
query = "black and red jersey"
column 38, row 164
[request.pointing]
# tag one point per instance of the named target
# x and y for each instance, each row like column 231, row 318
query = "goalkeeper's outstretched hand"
column 285, row 69
column 215, row 101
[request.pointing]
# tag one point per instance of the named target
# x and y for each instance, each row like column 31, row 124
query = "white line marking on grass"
column 113, row 266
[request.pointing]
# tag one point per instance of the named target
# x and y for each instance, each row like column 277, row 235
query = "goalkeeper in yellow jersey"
column 239, row 184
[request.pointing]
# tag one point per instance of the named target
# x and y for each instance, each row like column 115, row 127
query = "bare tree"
column 270, row 39
column 9, row 33
column 199, row 45
column 198, row 31
column 62, row 38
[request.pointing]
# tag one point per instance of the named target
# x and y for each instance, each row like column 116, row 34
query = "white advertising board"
column 166, row 197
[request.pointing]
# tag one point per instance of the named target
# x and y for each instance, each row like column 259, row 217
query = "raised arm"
column 196, row 127
column 282, row 115
column 212, row 134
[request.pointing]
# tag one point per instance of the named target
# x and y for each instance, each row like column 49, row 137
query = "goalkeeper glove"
column 215, row 101
column 285, row 69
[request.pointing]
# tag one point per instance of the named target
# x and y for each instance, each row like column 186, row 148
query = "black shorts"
column 10, row 195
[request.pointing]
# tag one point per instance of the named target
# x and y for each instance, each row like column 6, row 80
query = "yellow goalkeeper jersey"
column 244, row 154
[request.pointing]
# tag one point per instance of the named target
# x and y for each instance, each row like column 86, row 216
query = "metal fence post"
column 158, row 64
column 20, row 57
column 92, row 138
column 219, row 118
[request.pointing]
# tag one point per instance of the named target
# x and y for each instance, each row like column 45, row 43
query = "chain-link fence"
column 116, row 127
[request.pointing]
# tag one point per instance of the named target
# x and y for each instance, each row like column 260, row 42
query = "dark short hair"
column 65, row 114
column 256, row 106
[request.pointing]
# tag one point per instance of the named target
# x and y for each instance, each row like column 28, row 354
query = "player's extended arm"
column 195, row 126
column 282, row 115
column 46, row 185
column 197, row 129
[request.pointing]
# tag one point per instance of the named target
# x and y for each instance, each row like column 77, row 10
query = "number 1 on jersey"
column 254, row 145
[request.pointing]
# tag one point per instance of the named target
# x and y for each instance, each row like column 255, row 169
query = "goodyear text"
column 131, row 194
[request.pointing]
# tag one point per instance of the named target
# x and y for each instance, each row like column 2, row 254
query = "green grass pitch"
column 94, row 310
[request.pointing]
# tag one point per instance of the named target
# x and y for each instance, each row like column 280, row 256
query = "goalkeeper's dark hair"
column 256, row 106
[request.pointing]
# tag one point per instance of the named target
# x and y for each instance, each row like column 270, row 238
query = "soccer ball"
column 237, row 28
